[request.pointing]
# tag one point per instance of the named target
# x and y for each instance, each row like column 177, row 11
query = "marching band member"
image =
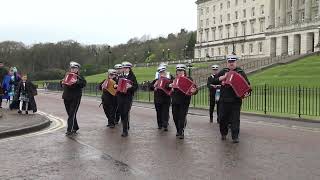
column 125, row 99
column 109, row 99
column 229, row 103
column 118, row 68
column 181, row 102
column 72, row 97
column 212, row 92
column 162, row 100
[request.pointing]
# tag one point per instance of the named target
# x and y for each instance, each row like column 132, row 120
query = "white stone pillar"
column 307, row 10
column 272, row 13
column 295, row 15
column 283, row 12
column 279, row 46
column 291, row 45
column 304, row 44
column 277, row 13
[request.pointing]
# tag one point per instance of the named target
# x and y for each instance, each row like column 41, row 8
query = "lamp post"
column 189, row 65
column 186, row 52
column 135, row 58
column 109, row 54
column 162, row 54
column 168, row 54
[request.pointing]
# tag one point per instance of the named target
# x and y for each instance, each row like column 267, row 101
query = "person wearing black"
column 125, row 99
column 25, row 93
column 109, row 100
column 3, row 72
column 212, row 92
column 118, row 68
column 230, row 104
column 180, row 103
column 161, row 99
column 72, row 97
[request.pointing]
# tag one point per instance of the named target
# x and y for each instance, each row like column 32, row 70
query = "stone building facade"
column 257, row 28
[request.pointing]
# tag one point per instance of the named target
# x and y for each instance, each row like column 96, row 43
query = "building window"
column 201, row 35
column 262, row 9
column 302, row 16
column 242, row 48
column 201, row 11
column 228, row 4
column 228, row 17
column 220, row 18
column 244, row 29
column 207, row 36
column 261, row 26
column 244, row 13
column 244, row 1
column 251, row 48
column 253, row 11
column 199, row 53
column 207, row 22
column 214, row 9
column 290, row 18
column 226, row 50
column 221, row 6
column 252, row 28
column 235, row 31
column 206, row 52
column 214, row 20
column 212, row 52
column 228, row 32
column 260, row 47
column 207, row 10
column 219, row 51
column 236, row 14
column 213, row 34
column 236, row 3
column 201, row 23
column 220, row 33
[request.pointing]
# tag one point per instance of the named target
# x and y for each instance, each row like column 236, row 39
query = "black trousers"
column 211, row 109
column 124, row 106
column 117, row 113
column 230, row 114
column 109, row 107
column 72, row 107
column 179, row 113
column 162, row 110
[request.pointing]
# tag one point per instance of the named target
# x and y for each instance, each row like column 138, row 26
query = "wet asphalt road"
column 266, row 150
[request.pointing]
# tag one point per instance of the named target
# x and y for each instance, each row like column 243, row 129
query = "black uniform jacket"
column 133, row 79
column 30, row 91
column 179, row 97
column 227, row 93
column 159, row 95
column 74, row 91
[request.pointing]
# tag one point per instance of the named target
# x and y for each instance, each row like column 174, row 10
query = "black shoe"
column 68, row 133
column 116, row 123
column 177, row 134
column 108, row 125
column 159, row 128
column 235, row 141
column 27, row 112
column 112, row 126
column 124, row 134
column 74, row 132
column 19, row 112
column 165, row 129
column 181, row 136
column 223, row 138
column 211, row 120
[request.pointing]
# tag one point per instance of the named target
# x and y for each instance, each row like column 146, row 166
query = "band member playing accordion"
column 126, row 87
column 214, row 88
column 230, row 103
column 162, row 98
column 182, row 90
column 109, row 99
column 118, row 68
column 72, row 85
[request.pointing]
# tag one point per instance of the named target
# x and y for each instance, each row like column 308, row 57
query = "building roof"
column 201, row 1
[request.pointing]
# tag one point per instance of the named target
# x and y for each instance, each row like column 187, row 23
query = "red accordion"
column 108, row 85
column 70, row 79
column 122, row 85
column 238, row 84
column 162, row 84
column 184, row 84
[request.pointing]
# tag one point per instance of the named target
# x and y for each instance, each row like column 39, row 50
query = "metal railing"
column 288, row 100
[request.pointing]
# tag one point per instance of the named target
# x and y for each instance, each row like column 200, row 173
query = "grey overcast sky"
column 93, row 21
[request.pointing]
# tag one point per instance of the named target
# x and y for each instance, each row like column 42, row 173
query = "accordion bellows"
column 108, row 85
column 238, row 84
column 162, row 84
column 70, row 79
column 122, row 85
column 184, row 84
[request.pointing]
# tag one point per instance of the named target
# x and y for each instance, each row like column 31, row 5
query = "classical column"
column 283, row 12
column 318, row 9
column 307, row 10
column 295, row 6
column 272, row 13
column 277, row 13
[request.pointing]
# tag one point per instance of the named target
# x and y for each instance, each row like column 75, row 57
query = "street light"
column 189, row 65
column 109, row 54
column 168, row 54
column 186, row 53
column 162, row 54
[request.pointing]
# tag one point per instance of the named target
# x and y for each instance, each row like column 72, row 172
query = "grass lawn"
column 305, row 72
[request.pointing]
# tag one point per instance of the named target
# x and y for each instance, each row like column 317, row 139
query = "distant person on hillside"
column 25, row 93
column 3, row 73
